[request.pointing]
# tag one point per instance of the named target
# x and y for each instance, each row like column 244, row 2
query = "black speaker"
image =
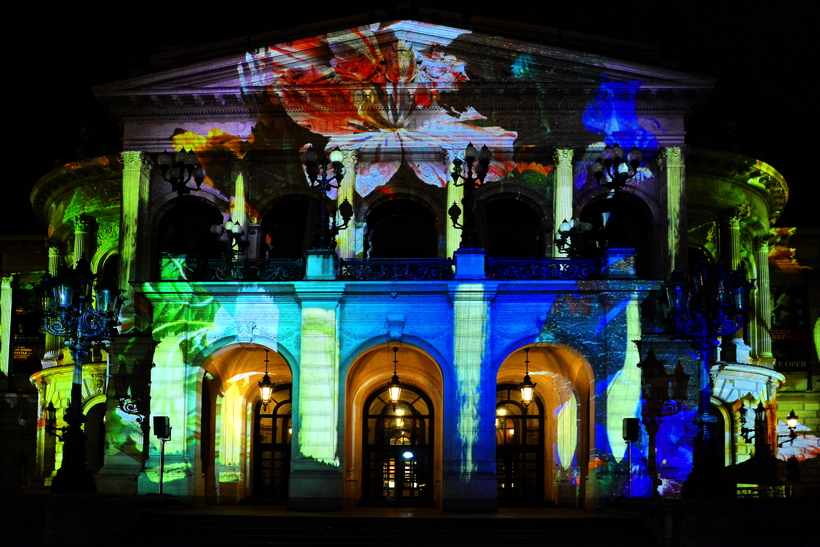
column 632, row 429
column 162, row 427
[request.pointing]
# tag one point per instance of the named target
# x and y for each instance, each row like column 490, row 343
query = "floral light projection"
column 388, row 109
column 803, row 447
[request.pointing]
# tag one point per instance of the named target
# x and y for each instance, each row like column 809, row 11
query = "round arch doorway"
column 397, row 450
column 273, row 430
column 519, row 434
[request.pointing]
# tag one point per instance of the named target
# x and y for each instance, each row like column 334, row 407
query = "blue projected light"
column 407, row 455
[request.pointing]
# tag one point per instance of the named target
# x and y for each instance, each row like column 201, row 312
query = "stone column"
column 762, row 318
column 469, row 482
column 126, row 449
column 347, row 245
column 673, row 200
column 562, row 194
column 83, row 244
column 54, row 348
column 5, row 324
column 454, row 195
column 316, row 474
column 732, row 349
column 136, row 168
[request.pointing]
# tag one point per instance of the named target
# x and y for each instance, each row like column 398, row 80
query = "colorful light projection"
column 470, row 340
column 389, row 113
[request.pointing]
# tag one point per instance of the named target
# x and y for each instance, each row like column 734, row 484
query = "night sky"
column 764, row 60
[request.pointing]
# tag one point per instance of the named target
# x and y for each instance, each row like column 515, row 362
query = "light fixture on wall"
column 394, row 386
column 51, row 421
column 526, row 386
column 575, row 238
column 760, row 422
column 232, row 239
column 318, row 172
column 613, row 170
column 87, row 316
column 22, row 424
column 791, row 423
column 179, row 170
column 471, row 171
column 266, row 386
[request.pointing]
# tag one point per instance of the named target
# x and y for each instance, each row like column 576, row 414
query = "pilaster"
column 346, row 242
column 136, row 168
column 563, row 194
column 53, row 349
column 469, row 482
column 673, row 196
column 83, row 247
column 5, row 324
column 316, row 474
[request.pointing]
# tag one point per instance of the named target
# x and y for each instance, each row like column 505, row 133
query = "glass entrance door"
column 271, row 461
column 519, row 446
column 398, row 448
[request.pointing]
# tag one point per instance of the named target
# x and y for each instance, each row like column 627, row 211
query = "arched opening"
column 378, row 436
column 245, row 449
column 519, row 435
column 401, row 228
column 289, row 227
column 95, row 437
column 511, row 228
column 397, row 458
column 621, row 223
column 272, row 439
column 546, row 457
column 185, row 229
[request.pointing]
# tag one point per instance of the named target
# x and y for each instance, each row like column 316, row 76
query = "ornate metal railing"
column 248, row 270
column 396, row 269
column 542, row 268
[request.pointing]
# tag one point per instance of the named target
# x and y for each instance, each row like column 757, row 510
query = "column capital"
column 53, row 251
column 671, row 156
column 82, row 223
column 5, row 281
column 135, row 160
column 563, row 156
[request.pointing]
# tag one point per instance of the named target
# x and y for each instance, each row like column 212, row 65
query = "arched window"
column 511, row 228
column 621, row 223
column 289, row 227
column 519, row 434
column 402, row 228
column 398, row 447
column 185, row 229
column 273, row 430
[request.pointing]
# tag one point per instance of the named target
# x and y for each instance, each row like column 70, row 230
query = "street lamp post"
column 709, row 303
column 70, row 309
column 318, row 171
column 469, row 173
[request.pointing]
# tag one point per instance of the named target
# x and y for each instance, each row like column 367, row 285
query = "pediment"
column 399, row 53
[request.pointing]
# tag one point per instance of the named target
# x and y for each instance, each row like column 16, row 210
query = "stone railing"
column 248, row 270
column 513, row 269
column 398, row 269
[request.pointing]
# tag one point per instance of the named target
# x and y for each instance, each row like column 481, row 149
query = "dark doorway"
column 402, row 228
column 95, row 437
column 620, row 223
column 519, row 433
column 289, row 227
column 272, row 434
column 185, row 229
column 398, row 448
column 511, row 228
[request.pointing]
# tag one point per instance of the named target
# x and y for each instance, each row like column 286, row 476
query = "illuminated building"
column 401, row 101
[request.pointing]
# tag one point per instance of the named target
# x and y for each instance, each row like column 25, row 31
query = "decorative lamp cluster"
column 180, row 169
column 469, row 173
column 574, row 237
column 319, row 174
column 613, row 170
column 85, row 314
column 232, row 238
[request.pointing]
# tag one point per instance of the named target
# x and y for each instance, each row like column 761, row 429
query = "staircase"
column 160, row 529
